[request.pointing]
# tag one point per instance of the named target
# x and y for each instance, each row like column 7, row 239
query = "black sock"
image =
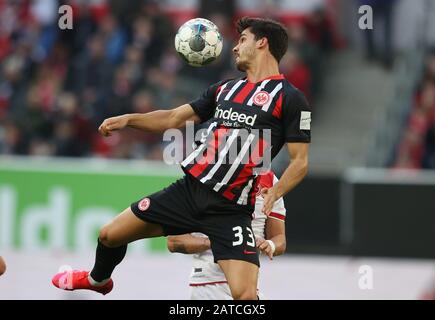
column 106, row 259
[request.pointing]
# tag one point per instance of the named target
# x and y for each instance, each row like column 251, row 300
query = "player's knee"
column 244, row 294
column 106, row 238
column 2, row 266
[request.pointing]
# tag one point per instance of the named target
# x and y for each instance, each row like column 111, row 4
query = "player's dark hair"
column 274, row 31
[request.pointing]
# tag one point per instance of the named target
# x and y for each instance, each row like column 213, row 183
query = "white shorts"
column 219, row 291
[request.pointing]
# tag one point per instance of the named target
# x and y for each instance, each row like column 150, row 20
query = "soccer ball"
column 198, row 42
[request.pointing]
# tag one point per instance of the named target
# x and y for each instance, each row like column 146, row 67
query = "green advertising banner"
column 61, row 204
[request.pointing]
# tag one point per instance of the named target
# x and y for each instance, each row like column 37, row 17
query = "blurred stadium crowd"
column 57, row 86
column 417, row 145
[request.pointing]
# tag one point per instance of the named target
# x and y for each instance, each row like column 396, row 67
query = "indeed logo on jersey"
column 234, row 115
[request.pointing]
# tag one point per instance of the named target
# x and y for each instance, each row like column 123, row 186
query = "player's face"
column 244, row 51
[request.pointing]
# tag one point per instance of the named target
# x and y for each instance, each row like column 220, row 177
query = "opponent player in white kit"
column 207, row 280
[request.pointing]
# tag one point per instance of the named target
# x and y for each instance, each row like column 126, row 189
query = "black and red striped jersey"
column 246, row 125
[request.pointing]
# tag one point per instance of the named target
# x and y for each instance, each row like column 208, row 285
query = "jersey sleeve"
column 296, row 118
column 278, row 209
column 205, row 105
column 198, row 235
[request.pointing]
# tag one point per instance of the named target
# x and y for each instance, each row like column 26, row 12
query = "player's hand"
column 112, row 124
column 264, row 247
column 269, row 196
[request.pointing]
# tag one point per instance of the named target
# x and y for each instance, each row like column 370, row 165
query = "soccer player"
column 216, row 196
column 207, row 280
column 2, row 266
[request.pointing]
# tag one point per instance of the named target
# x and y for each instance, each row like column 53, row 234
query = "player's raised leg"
column 126, row 228
column 242, row 277
column 111, row 249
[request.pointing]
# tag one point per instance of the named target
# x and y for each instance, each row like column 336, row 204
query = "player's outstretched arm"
column 187, row 243
column 275, row 232
column 291, row 177
column 155, row 121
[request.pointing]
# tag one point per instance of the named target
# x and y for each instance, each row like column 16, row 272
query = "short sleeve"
column 296, row 118
column 204, row 106
column 278, row 210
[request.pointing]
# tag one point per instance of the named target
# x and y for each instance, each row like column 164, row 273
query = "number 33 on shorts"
column 238, row 234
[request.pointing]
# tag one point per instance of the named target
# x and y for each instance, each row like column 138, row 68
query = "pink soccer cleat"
column 75, row 280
